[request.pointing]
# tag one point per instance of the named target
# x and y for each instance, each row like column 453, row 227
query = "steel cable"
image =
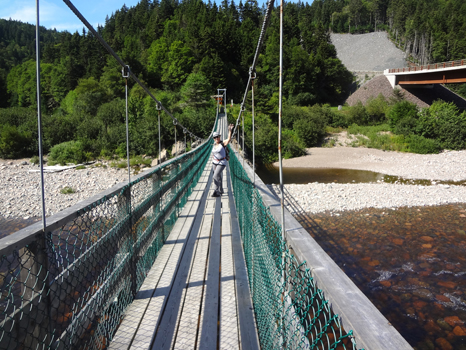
column 119, row 60
column 252, row 69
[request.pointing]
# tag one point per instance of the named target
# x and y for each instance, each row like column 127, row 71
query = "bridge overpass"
column 435, row 73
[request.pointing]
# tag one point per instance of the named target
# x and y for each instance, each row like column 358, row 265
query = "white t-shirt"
column 219, row 154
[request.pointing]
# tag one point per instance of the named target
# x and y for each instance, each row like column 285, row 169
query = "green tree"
column 196, row 91
column 178, row 66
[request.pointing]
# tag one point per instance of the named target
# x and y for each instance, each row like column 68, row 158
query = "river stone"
column 443, row 324
column 424, row 294
column 453, row 320
column 459, row 331
column 443, row 344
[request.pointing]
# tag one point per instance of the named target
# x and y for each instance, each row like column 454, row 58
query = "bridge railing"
column 431, row 66
column 67, row 288
column 301, row 298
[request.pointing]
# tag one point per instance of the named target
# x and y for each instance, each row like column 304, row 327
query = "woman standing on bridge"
column 219, row 160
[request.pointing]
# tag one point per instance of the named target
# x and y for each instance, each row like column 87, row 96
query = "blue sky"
column 55, row 13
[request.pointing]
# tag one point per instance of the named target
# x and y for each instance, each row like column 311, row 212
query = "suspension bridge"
column 156, row 263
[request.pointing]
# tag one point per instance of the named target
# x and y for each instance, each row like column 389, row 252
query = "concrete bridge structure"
column 425, row 76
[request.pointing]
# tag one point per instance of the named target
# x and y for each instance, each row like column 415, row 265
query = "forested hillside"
column 184, row 51
column 429, row 30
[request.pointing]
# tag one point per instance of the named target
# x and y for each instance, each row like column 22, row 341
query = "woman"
column 219, row 160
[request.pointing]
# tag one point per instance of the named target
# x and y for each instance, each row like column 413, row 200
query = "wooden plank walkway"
column 196, row 295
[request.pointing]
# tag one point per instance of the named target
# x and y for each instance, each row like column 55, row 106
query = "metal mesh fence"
column 291, row 312
column 68, row 288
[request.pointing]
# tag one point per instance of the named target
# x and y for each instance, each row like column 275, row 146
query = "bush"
column 402, row 110
column 310, row 130
column 421, row 145
column 406, row 126
column 443, row 122
column 358, row 115
column 14, row 143
column 69, row 152
column 291, row 146
column 376, row 109
column 67, row 190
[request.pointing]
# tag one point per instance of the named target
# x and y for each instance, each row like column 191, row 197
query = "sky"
column 56, row 14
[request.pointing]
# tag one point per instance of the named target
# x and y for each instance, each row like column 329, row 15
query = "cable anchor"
column 252, row 73
column 125, row 71
column 158, row 106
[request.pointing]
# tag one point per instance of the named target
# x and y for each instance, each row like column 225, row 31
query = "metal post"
column 174, row 125
column 217, row 105
column 253, row 77
column 39, row 116
column 244, row 152
column 159, row 108
column 125, row 74
column 282, row 201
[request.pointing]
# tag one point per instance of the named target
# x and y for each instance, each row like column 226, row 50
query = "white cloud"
column 25, row 12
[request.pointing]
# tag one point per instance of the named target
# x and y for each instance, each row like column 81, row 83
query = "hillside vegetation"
column 184, row 51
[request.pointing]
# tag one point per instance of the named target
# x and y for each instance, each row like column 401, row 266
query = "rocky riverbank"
column 20, row 191
column 318, row 197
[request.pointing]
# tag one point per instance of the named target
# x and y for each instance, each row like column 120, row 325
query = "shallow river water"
column 410, row 262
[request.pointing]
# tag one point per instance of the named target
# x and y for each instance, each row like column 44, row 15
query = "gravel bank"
column 368, row 52
column 20, row 193
column 318, row 197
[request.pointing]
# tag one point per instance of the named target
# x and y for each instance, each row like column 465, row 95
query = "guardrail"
column 441, row 65
column 68, row 288
column 301, row 298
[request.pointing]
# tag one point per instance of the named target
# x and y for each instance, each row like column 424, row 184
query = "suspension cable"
column 253, row 139
column 120, row 61
column 39, row 115
column 125, row 74
column 252, row 69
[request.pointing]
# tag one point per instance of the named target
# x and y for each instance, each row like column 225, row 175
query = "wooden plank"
column 247, row 324
column 192, row 307
column 208, row 339
column 147, row 304
column 228, row 333
column 166, row 330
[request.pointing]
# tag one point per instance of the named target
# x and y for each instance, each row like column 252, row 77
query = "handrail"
column 431, row 66
column 28, row 234
column 69, row 287
column 353, row 310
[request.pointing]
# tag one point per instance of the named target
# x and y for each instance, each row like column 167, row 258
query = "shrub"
column 443, row 122
column 35, row 160
column 309, row 130
column 67, row 190
column 401, row 110
column 376, row 109
column 69, row 152
column 422, row 145
column 358, row 115
column 406, row 126
column 291, row 146
column 14, row 143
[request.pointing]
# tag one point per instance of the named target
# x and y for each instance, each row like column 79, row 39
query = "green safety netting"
column 291, row 312
column 69, row 288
